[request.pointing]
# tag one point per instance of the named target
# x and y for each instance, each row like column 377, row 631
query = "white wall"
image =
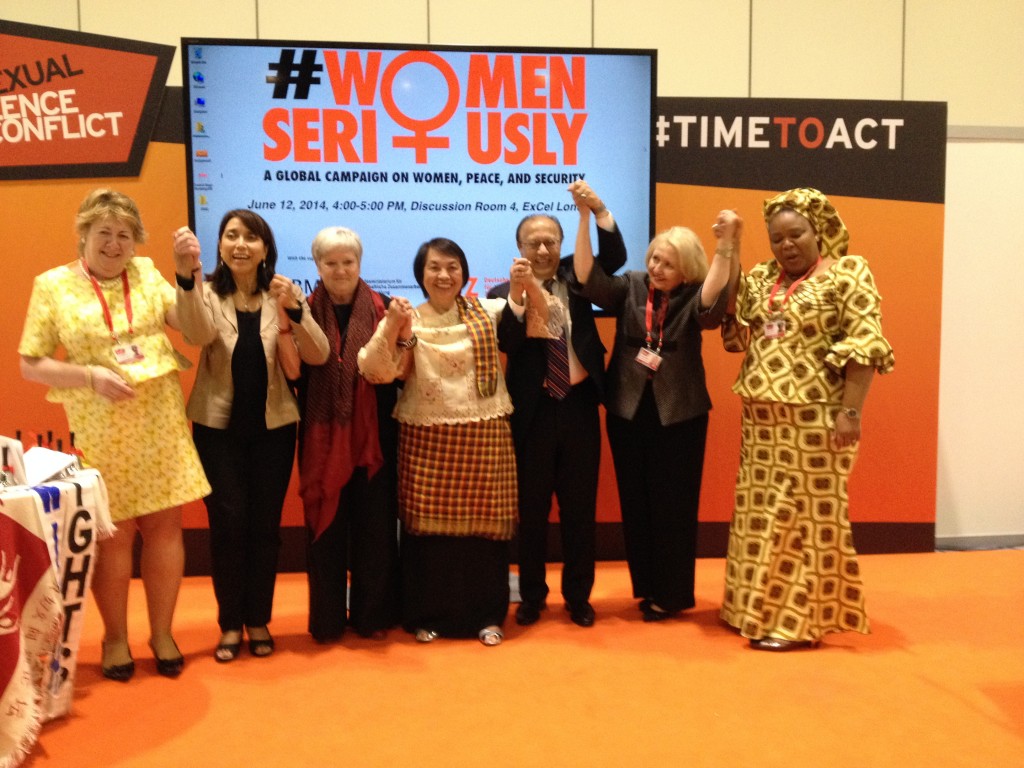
column 969, row 53
column 981, row 397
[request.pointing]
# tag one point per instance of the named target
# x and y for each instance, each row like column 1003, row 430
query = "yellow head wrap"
column 815, row 207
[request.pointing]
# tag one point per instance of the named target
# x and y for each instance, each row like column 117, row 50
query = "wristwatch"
column 407, row 343
column 850, row 413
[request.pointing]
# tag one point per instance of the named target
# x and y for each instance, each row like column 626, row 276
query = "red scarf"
column 340, row 429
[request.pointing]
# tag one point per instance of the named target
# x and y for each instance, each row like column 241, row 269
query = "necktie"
column 557, row 378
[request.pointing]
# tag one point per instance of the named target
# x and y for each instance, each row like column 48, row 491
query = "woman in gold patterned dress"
column 810, row 324
column 117, row 380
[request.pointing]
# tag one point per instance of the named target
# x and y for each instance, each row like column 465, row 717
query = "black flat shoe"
column 582, row 614
column 261, row 646
column 528, row 613
column 652, row 612
column 169, row 667
column 122, row 673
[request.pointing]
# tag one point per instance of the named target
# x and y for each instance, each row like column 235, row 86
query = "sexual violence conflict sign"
column 76, row 105
column 403, row 144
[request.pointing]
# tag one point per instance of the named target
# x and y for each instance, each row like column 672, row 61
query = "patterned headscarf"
column 815, row 207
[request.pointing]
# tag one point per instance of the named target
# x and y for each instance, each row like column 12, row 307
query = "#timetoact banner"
column 405, row 144
column 892, row 150
column 75, row 105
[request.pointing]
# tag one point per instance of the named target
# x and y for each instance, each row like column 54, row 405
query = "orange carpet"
column 940, row 682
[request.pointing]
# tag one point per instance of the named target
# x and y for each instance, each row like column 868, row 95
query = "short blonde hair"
column 336, row 238
column 107, row 203
column 689, row 259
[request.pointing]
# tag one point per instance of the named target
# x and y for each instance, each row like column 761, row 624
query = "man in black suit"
column 556, row 429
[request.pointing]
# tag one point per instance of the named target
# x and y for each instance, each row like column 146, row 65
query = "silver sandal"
column 426, row 635
column 491, row 636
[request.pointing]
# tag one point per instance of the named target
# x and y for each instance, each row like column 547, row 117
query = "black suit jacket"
column 680, row 391
column 527, row 358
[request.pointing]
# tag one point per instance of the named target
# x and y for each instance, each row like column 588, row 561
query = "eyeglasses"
column 534, row 245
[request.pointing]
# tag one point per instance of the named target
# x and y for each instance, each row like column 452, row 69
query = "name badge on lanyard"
column 775, row 328
column 649, row 356
column 124, row 352
column 127, row 353
column 775, row 325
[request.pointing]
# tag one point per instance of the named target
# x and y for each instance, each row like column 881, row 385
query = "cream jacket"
column 209, row 320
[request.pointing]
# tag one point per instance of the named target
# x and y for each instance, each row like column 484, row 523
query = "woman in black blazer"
column 657, row 400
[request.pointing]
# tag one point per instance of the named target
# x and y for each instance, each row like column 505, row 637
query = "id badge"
column 775, row 328
column 648, row 358
column 127, row 353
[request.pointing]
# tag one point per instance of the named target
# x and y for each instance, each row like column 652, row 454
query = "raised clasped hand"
column 520, row 275
column 585, row 198
column 400, row 313
column 186, row 251
column 728, row 226
column 284, row 292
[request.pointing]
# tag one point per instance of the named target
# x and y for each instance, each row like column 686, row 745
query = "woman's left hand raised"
column 586, row 198
column 728, row 226
column 285, row 292
column 186, row 252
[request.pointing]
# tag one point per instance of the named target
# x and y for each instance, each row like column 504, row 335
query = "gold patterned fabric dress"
column 792, row 570
column 141, row 446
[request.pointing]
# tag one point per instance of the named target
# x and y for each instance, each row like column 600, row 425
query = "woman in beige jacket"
column 254, row 327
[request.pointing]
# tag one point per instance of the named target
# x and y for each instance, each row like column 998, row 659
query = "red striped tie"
column 557, row 379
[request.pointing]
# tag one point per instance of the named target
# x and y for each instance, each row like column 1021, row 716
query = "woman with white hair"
column 657, row 402
column 347, row 455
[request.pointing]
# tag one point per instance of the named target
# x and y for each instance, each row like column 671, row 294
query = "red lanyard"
column 103, row 300
column 649, row 317
column 793, row 287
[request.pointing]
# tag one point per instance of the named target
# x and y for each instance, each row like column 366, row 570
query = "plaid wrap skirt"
column 458, row 479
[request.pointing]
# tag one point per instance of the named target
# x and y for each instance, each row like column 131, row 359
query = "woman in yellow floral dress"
column 810, row 323
column 117, row 380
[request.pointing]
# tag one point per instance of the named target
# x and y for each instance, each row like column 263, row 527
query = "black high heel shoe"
column 169, row 667
column 260, row 646
column 122, row 673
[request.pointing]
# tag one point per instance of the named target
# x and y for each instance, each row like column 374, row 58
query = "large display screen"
column 405, row 143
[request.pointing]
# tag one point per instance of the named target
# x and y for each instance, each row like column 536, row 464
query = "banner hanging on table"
column 77, row 514
column 30, row 621
column 48, row 536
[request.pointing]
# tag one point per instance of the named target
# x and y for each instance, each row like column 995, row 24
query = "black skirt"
column 453, row 585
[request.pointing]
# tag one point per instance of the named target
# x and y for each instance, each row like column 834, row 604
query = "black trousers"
column 249, row 476
column 658, row 470
column 362, row 539
column 559, row 454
